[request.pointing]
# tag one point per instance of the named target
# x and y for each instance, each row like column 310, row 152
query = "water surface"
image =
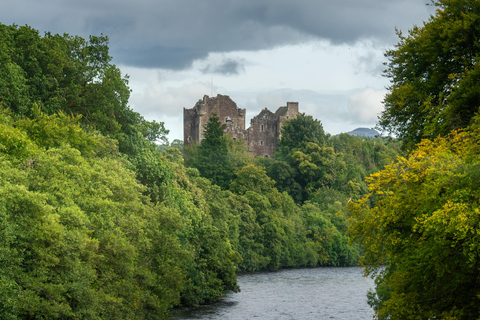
column 317, row 293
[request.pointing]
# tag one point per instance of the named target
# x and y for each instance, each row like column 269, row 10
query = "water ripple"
column 317, row 293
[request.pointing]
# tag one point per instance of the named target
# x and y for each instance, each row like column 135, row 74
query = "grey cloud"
column 175, row 58
column 226, row 67
column 371, row 62
column 172, row 33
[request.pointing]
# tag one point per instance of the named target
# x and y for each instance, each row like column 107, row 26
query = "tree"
column 330, row 246
column 177, row 144
column 296, row 133
column 283, row 174
column 317, row 166
column 212, row 158
column 302, row 148
column 251, row 178
column 238, row 153
column 421, row 218
column 13, row 84
column 78, row 238
column 434, row 74
column 73, row 75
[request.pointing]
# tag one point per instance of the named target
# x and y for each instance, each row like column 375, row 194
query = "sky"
column 327, row 55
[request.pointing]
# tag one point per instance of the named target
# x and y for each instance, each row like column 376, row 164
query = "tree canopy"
column 78, row 237
column 421, row 218
column 296, row 133
column 419, row 223
column 73, row 75
column 309, row 160
column 434, row 74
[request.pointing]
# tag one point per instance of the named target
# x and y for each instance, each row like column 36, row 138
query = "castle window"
column 228, row 120
column 261, row 128
column 189, row 139
column 261, row 142
column 234, row 139
column 266, row 156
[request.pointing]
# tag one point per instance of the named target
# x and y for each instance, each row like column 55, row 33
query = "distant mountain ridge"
column 366, row 132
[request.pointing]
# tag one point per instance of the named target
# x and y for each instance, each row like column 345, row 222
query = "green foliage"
column 296, row 133
column 331, row 203
column 238, row 153
column 421, row 218
column 280, row 233
column 177, row 144
column 153, row 171
column 14, row 143
column 302, row 148
column 284, row 176
column 434, row 73
column 212, row 157
column 317, row 166
column 307, row 161
column 67, row 73
column 81, row 241
column 362, row 156
column 331, row 246
column 211, row 269
column 251, row 178
column 94, row 222
column 56, row 130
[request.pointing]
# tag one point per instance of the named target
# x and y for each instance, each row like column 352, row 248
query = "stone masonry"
column 261, row 138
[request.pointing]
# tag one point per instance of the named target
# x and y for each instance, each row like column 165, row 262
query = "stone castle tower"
column 261, row 137
column 265, row 129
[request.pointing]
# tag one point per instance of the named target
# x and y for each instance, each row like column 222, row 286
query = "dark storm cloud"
column 175, row 58
column 226, row 67
column 172, row 33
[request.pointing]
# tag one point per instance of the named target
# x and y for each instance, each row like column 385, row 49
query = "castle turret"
column 292, row 107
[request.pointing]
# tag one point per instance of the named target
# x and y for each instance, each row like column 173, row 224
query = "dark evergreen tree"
column 212, row 158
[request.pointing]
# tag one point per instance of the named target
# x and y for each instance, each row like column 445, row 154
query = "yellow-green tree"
column 421, row 219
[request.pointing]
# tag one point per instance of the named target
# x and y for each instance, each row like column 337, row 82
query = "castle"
column 261, row 137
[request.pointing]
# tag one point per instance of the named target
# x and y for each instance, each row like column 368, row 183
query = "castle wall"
column 195, row 119
column 261, row 137
column 286, row 113
column 263, row 134
column 190, row 126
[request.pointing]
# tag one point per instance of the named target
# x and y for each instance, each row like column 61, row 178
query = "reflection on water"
column 320, row 293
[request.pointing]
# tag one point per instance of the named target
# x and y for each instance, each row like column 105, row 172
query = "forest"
column 97, row 221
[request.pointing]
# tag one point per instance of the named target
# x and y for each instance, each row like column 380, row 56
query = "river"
column 317, row 293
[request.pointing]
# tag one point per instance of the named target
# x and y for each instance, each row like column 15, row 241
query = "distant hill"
column 364, row 132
